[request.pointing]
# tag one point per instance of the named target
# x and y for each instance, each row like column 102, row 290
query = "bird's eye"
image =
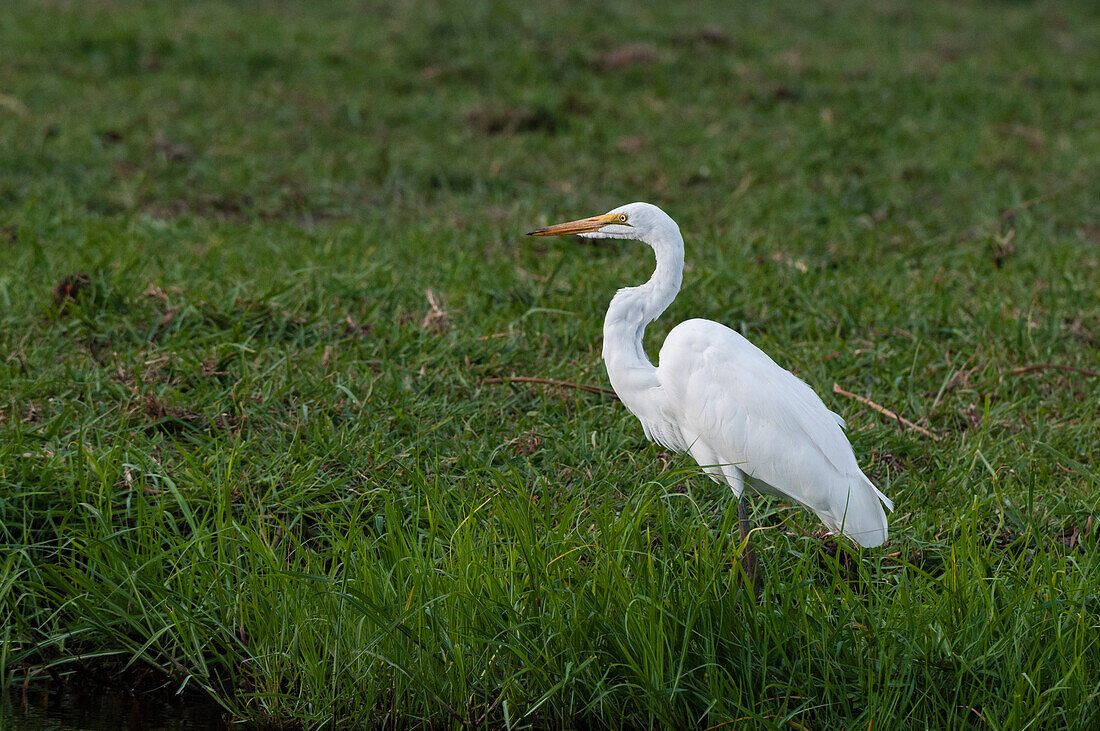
column 622, row 218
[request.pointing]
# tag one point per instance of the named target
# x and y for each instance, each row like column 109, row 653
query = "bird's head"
column 638, row 221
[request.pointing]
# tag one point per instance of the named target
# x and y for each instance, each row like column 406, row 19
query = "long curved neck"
column 635, row 307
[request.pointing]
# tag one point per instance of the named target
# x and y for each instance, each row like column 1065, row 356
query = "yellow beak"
column 581, row 226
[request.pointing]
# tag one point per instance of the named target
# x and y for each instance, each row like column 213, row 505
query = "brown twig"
column 552, row 382
column 1010, row 212
column 884, row 411
column 437, row 318
column 800, row 529
column 1051, row 367
column 488, row 710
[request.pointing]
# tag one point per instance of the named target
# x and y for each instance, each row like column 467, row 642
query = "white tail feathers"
column 862, row 519
column 885, row 500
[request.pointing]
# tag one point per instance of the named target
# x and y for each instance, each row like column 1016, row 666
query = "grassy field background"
column 262, row 261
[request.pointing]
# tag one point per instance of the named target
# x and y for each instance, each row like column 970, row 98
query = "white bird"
column 715, row 395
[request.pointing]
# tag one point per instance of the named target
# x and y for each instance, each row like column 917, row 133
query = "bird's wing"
column 722, row 389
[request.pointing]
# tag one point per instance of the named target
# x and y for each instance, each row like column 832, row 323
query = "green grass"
column 251, row 454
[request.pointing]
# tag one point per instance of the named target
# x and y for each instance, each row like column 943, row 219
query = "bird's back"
column 727, row 399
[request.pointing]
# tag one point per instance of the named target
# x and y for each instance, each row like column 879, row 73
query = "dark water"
column 53, row 711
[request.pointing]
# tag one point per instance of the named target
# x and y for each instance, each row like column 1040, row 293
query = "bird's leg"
column 743, row 516
column 748, row 555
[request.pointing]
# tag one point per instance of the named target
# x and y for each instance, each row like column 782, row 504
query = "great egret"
column 718, row 397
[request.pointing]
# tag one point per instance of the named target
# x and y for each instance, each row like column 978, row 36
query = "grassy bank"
column 262, row 266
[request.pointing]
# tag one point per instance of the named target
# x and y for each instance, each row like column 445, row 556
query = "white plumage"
column 713, row 394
